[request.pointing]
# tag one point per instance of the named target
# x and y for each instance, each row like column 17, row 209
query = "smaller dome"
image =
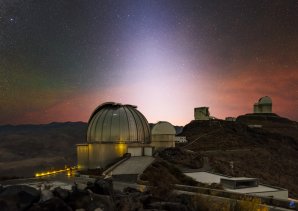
column 265, row 100
column 163, row 128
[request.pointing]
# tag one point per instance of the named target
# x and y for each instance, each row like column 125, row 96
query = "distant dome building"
column 264, row 105
column 113, row 130
column 163, row 135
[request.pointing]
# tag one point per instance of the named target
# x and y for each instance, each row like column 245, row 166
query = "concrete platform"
column 134, row 165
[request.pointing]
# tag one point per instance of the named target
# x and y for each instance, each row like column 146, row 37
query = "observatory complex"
column 115, row 129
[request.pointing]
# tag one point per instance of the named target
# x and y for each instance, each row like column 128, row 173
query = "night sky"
column 59, row 59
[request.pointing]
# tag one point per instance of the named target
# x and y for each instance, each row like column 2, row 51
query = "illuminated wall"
column 101, row 155
column 83, row 156
column 162, row 141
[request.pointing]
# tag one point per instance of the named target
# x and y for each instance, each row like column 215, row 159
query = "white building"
column 242, row 185
column 180, row 139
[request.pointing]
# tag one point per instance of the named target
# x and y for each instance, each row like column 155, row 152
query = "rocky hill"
column 25, row 149
column 262, row 146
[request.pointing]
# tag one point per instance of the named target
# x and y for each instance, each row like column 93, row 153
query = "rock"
column 168, row 206
column 101, row 202
column 128, row 202
column 1, row 188
column 130, row 190
column 53, row 204
column 19, row 196
column 46, row 195
column 7, row 205
column 101, row 186
column 123, row 203
column 61, row 193
column 79, row 199
column 82, row 199
column 145, row 198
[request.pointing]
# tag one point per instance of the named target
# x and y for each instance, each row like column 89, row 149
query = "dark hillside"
column 266, row 153
column 25, row 149
column 271, row 123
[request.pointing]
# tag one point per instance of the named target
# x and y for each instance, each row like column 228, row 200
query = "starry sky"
column 60, row 59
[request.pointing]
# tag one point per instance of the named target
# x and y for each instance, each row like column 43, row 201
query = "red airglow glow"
column 229, row 96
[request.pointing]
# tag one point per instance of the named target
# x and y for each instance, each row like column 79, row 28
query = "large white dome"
column 117, row 123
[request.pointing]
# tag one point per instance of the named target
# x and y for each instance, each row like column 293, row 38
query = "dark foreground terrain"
column 99, row 195
column 269, row 153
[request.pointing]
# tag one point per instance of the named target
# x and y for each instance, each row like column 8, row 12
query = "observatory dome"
column 117, row 123
column 265, row 100
column 164, row 128
column 163, row 135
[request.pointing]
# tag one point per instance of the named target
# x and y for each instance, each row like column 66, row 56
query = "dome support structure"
column 113, row 129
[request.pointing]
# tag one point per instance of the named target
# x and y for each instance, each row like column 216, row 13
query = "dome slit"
column 128, row 123
column 102, row 130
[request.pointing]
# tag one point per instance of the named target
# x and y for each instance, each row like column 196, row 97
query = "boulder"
column 61, row 193
column 101, row 186
column 46, row 195
column 83, row 199
column 101, row 202
column 145, row 198
column 129, row 202
column 168, row 206
column 53, row 204
column 79, row 199
column 1, row 188
column 131, row 190
column 7, row 205
column 19, row 196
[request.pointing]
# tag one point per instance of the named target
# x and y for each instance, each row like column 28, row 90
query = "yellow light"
column 67, row 169
column 120, row 149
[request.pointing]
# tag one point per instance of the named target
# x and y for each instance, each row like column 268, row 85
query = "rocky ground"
column 96, row 196
column 269, row 153
column 171, row 174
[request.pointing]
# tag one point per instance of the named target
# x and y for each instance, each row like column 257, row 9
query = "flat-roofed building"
column 243, row 185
